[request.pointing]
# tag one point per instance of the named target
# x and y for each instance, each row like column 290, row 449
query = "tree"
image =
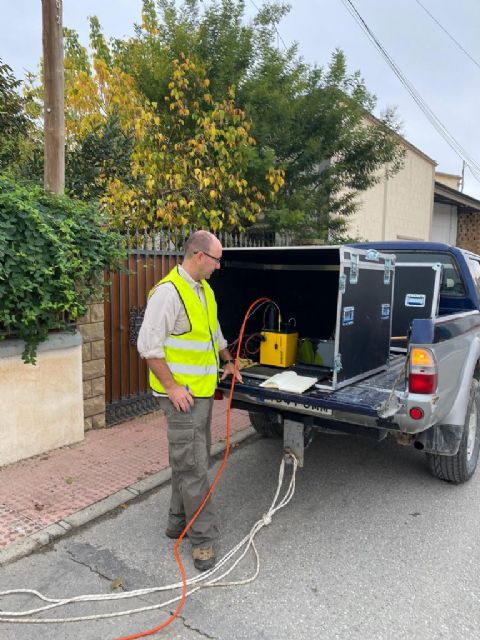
column 309, row 123
column 190, row 164
column 319, row 124
column 101, row 104
column 14, row 121
column 313, row 122
column 187, row 157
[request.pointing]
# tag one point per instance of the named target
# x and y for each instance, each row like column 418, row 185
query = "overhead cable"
column 279, row 37
column 433, row 119
column 448, row 34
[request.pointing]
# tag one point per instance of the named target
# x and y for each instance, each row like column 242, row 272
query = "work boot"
column 203, row 558
column 174, row 532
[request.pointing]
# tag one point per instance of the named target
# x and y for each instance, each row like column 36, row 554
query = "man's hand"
column 181, row 399
column 229, row 370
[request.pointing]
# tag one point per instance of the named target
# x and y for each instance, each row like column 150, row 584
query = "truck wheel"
column 461, row 467
column 269, row 425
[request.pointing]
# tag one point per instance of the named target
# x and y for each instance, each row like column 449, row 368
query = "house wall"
column 444, row 223
column 448, row 179
column 398, row 208
column 41, row 403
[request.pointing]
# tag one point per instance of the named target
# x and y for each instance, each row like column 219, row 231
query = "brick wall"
column 468, row 231
column 92, row 329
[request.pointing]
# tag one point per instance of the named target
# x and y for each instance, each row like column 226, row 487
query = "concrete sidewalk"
column 44, row 497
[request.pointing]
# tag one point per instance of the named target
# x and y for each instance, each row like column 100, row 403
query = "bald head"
column 203, row 252
column 201, row 241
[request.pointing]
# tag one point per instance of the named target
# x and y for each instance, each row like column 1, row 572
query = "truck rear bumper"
column 305, row 409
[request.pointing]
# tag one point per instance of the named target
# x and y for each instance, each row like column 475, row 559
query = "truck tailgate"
column 366, row 397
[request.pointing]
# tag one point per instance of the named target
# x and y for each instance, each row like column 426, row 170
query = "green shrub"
column 53, row 252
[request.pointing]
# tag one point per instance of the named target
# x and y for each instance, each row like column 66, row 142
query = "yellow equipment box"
column 278, row 349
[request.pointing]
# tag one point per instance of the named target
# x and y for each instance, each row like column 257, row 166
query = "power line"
column 279, row 37
column 448, row 34
column 432, row 118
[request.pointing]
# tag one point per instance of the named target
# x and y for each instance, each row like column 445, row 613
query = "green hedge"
column 53, row 252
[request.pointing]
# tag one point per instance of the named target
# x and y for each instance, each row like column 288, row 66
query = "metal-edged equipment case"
column 338, row 297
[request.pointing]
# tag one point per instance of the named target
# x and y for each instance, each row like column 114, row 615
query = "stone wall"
column 468, row 231
column 93, row 353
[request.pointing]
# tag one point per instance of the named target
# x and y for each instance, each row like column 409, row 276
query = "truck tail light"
column 422, row 377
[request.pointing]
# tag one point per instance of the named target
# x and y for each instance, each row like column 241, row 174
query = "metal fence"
column 150, row 258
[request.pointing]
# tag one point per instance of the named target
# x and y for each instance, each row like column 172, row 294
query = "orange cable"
column 150, row 632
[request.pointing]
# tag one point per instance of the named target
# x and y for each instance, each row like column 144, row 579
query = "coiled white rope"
column 201, row 581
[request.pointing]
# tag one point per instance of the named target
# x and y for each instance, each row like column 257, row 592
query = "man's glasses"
column 217, row 260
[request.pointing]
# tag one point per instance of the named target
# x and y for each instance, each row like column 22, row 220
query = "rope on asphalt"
column 202, row 581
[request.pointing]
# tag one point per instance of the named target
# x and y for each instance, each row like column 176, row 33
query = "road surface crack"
column 189, row 626
column 93, row 569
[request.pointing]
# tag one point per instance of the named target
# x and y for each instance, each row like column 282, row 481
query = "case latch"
column 388, row 269
column 337, row 363
column 354, row 268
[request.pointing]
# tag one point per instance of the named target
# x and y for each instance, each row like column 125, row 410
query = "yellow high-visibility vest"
column 192, row 357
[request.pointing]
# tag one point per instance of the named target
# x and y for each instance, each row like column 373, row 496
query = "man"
column 182, row 342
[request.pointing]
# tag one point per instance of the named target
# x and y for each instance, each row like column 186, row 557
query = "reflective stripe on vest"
column 192, row 357
column 188, row 344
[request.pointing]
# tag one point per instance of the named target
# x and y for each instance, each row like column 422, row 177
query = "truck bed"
column 366, row 397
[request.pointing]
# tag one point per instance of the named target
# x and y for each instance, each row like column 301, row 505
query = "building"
column 456, row 216
column 418, row 204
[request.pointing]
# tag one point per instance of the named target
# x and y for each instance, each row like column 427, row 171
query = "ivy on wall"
column 53, row 252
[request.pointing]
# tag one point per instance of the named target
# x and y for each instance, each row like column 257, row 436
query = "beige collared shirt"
column 165, row 315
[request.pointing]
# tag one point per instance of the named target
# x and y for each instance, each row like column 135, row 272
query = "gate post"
column 91, row 327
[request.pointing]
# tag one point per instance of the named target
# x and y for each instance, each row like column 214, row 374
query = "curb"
column 35, row 541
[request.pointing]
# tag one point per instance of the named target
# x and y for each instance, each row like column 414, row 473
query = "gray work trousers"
column 189, row 440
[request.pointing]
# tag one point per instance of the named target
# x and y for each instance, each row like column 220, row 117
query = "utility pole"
column 54, row 118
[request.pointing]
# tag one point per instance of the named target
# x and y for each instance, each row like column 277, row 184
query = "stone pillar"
column 92, row 329
column 468, row 231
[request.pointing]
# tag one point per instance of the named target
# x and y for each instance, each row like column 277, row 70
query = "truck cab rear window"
column 451, row 282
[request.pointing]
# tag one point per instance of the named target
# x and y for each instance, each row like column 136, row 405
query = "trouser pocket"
column 181, row 449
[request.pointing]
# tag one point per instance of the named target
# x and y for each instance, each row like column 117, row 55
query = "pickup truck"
column 425, row 396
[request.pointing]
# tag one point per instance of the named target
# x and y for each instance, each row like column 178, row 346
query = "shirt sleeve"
column 222, row 343
column 159, row 321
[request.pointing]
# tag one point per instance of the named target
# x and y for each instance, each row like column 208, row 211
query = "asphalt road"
column 370, row 547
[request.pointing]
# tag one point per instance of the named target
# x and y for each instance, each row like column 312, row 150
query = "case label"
column 385, row 311
column 347, row 318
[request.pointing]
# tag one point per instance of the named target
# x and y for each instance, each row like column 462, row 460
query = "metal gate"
column 150, row 258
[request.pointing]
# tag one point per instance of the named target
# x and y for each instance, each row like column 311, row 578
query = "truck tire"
column 459, row 468
column 269, row 425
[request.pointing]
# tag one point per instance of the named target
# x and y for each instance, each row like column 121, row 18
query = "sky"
column 444, row 76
